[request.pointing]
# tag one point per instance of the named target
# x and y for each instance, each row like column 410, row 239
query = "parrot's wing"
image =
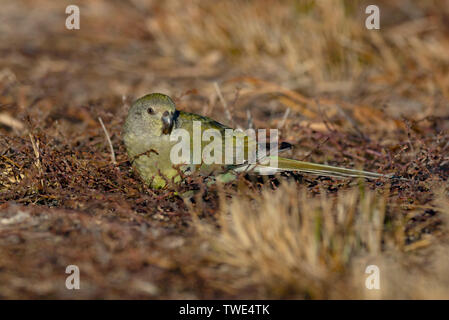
column 185, row 120
column 238, row 147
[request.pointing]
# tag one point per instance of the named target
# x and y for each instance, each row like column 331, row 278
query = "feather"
column 290, row 165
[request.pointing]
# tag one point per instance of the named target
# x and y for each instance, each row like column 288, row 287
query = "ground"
column 340, row 93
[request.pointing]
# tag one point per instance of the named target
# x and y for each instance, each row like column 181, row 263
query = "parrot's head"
column 151, row 115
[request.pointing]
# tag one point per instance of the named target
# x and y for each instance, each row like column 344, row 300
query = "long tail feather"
column 290, row 165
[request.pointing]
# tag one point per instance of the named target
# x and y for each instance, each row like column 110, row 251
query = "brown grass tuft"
column 298, row 246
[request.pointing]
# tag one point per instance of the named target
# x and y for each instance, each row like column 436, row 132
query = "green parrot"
column 147, row 134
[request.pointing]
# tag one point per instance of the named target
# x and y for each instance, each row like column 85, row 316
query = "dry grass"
column 341, row 94
column 292, row 245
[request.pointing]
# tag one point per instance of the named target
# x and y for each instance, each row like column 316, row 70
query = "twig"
column 284, row 118
column 9, row 121
column 37, row 155
column 36, row 151
column 124, row 101
column 324, row 117
column 317, row 148
column 109, row 141
column 250, row 119
column 352, row 122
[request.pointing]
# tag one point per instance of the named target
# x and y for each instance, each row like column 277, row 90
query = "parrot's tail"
column 290, row 165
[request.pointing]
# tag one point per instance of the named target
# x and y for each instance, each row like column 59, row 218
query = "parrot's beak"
column 167, row 122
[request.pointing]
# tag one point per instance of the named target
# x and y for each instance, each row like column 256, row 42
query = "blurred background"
column 317, row 48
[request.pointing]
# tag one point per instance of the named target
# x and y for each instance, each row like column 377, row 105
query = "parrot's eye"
column 150, row 110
